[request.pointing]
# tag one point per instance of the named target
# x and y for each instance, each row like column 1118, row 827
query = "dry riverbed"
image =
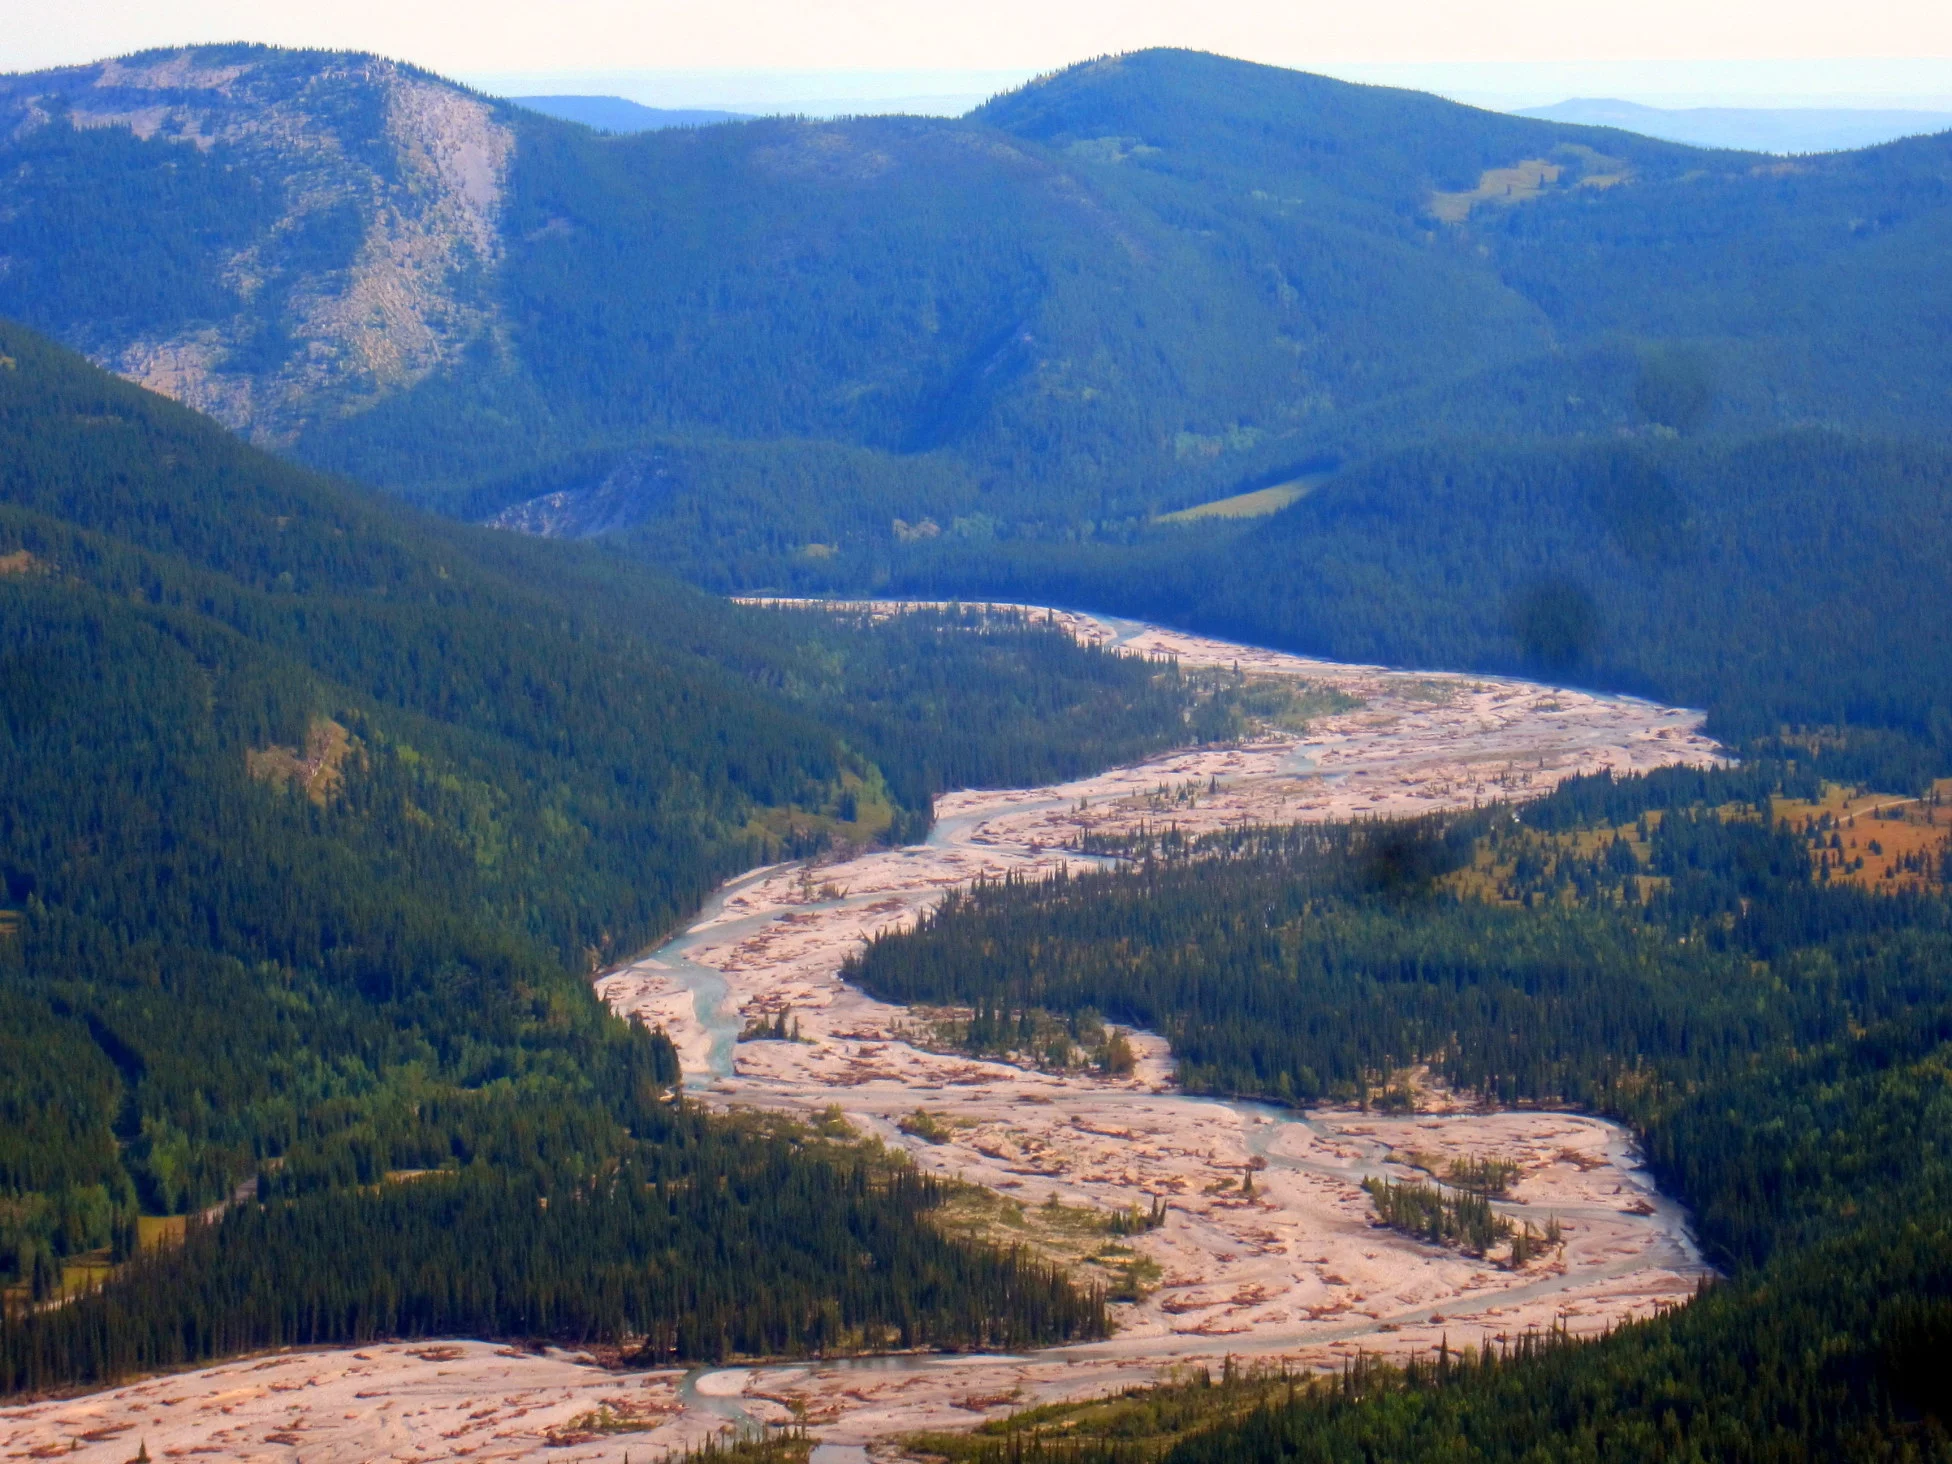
column 1292, row 1269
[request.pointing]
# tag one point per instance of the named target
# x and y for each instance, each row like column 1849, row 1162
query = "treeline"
column 316, row 816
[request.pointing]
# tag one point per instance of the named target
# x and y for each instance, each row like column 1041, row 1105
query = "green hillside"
column 1132, row 286
column 315, row 817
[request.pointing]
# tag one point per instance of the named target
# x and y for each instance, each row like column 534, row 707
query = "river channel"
column 1299, row 1273
column 1293, row 1270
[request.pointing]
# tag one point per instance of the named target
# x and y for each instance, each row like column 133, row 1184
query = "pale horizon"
column 1912, row 85
column 1503, row 53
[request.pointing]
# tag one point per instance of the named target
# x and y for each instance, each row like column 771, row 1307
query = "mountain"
column 1127, row 287
column 619, row 114
column 1753, row 129
column 291, row 771
column 929, row 352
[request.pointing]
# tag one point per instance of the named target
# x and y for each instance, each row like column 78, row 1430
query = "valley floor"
column 1293, row 1269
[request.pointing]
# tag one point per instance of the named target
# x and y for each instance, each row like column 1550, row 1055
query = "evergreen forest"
column 1659, row 949
column 1783, row 580
column 1549, row 398
column 316, row 815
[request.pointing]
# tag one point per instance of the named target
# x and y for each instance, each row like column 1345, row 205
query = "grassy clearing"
column 1884, row 842
column 79, row 1274
column 1519, row 183
column 1878, row 841
column 1086, row 1241
column 1257, row 504
column 1525, row 180
column 315, row 770
column 1500, row 869
column 860, row 811
column 153, row 1231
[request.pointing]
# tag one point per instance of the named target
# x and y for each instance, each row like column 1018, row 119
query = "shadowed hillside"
column 994, row 352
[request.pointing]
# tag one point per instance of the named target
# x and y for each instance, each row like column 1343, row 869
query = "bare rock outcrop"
column 400, row 174
column 623, row 497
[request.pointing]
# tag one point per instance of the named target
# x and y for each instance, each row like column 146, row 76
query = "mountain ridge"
column 620, row 114
column 1131, row 286
column 409, row 191
column 1761, row 129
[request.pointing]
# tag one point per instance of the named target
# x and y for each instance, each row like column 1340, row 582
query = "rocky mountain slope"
column 345, row 223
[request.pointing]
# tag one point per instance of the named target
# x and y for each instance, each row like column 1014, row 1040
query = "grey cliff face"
column 368, row 268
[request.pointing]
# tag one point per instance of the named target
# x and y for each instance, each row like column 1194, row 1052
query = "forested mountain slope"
column 1128, row 286
column 315, row 815
column 1571, row 401
column 1791, row 579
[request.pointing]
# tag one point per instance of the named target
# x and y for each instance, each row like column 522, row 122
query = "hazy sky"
column 569, row 35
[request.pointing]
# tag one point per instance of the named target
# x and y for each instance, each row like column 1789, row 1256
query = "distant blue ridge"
column 619, row 114
column 1752, row 129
